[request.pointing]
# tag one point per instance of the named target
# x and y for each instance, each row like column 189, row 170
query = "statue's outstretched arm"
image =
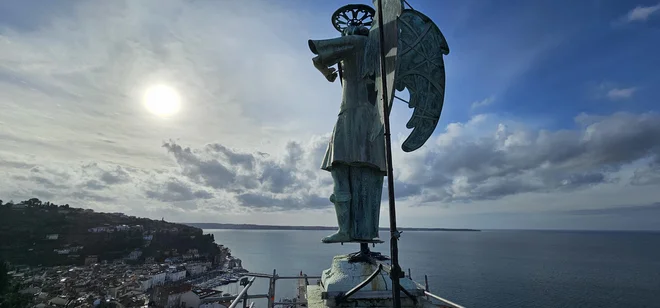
column 332, row 51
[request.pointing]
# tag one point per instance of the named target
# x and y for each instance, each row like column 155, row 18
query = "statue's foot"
column 338, row 237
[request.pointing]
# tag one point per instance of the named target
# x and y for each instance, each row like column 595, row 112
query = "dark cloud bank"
column 490, row 164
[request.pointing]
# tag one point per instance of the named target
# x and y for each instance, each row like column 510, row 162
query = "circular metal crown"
column 353, row 15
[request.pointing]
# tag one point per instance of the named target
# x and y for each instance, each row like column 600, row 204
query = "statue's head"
column 355, row 30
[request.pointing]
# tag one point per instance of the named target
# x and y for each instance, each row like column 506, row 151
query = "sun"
column 162, row 100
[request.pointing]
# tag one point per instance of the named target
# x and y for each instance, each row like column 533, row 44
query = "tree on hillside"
column 33, row 202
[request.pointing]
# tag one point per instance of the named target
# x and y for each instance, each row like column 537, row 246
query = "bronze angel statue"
column 355, row 156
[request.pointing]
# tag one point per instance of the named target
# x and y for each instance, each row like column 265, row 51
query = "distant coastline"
column 300, row 228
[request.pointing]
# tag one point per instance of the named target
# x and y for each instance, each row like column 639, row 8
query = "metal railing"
column 382, row 266
column 387, row 268
column 446, row 301
column 242, row 297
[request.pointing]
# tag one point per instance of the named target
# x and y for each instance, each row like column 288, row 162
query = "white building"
column 212, row 305
column 101, row 229
column 134, row 255
column 19, row 206
column 122, row 228
column 234, row 263
column 63, row 251
column 197, row 297
column 176, row 276
column 158, row 279
column 75, row 248
column 145, row 284
column 196, row 268
column 52, row 236
column 59, row 302
column 171, row 296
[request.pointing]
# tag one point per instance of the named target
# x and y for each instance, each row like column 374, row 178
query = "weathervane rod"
column 394, row 233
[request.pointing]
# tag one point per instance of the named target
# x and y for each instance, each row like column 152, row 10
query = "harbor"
column 220, row 279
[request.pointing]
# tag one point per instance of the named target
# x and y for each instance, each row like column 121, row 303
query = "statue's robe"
column 355, row 155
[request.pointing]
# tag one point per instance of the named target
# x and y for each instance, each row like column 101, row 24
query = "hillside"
column 42, row 233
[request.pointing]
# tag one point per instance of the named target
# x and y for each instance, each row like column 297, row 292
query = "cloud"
column 487, row 158
column 484, row 159
column 116, row 176
column 621, row 93
column 15, row 164
column 648, row 209
column 248, row 138
column 612, row 91
column 641, row 13
column 273, row 202
column 483, row 103
column 207, row 171
column 286, row 182
column 90, row 196
column 648, row 174
column 176, row 190
column 94, row 182
column 90, row 82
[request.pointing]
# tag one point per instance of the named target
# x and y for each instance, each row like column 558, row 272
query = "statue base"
column 349, row 271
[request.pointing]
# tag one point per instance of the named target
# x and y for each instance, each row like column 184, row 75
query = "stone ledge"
column 343, row 276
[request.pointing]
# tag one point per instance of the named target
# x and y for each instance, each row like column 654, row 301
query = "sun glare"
column 162, row 100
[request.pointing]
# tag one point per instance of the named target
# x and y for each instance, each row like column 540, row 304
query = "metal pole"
column 446, row 301
column 364, row 248
column 242, row 293
column 426, row 285
column 395, row 274
column 274, row 282
column 271, row 289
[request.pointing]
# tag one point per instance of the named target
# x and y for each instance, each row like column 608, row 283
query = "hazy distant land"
column 301, row 228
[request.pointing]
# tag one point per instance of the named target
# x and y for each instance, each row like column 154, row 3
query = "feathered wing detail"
column 421, row 70
column 371, row 65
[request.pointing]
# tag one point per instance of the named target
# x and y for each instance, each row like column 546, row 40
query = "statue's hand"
column 329, row 72
column 331, row 76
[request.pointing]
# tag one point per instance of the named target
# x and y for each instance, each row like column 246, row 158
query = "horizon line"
column 448, row 228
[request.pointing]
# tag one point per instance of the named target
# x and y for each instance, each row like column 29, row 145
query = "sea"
column 494, row 269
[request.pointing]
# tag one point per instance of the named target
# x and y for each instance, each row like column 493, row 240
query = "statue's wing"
column 421, row 70
column 391, row 9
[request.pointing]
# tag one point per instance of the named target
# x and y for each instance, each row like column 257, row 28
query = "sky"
column 550, row 121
